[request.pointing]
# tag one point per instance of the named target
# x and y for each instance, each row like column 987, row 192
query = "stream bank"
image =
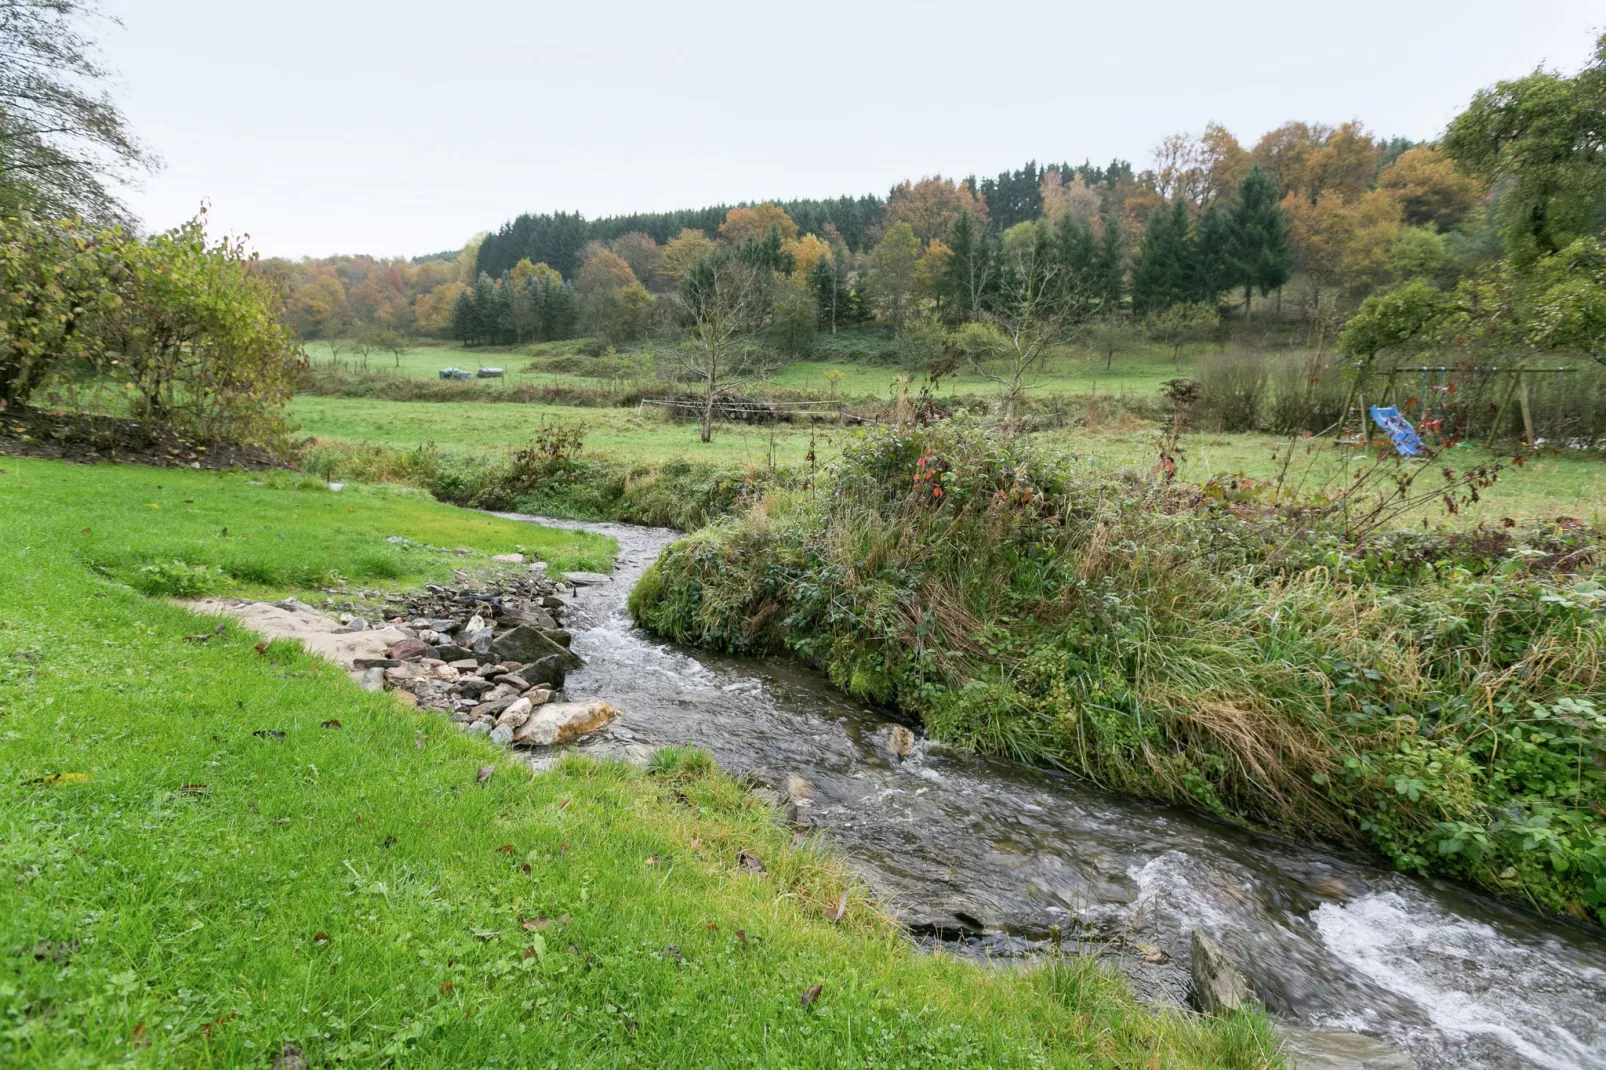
column 1002, row 860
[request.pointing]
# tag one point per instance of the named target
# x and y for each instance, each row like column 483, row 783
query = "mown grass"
column 212, row 853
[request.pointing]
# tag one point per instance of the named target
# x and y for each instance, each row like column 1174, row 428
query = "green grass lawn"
column 622, row 433
column 212, row 852
column 1072, row 371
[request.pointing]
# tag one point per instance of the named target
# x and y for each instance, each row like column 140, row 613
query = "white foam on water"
column 1471, row 980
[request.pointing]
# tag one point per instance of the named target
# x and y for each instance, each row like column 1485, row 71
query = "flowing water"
column 996, row 859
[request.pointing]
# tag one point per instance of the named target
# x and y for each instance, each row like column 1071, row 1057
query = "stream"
column 990, row 858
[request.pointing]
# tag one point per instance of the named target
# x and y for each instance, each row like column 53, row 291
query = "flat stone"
column 798, row 788
column 442, row 625
column 548, row 671
column 372, row 680
column 512, row 680
column 586, row 579
column 1218, row 986
column 1334, row 1049
column 478, row 728
column 516, row 714
column 406, row 698
column 475, row 623
column 463, row 664
column 408, row 648
column 559, row 722
column 503, row 734
column 527, row 644
column 357, row 624
column 374, row 663
column 508, row 559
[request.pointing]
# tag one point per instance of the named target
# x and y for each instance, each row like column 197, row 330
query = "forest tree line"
column 1317, row 217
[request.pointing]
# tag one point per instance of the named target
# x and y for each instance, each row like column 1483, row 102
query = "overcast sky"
column 332, row 126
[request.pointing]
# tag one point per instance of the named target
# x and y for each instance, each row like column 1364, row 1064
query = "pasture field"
column 1549, row 483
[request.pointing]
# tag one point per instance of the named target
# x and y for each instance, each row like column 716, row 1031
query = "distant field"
column 620, row 433
column 1071, row 372
column 1549, row 485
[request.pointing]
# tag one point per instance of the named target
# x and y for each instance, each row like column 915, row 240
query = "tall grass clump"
column 1438, row 698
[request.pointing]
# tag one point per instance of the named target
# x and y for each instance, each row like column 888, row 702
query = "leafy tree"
column 62, row 143
column 1544, row 136
column 1428, row 188
column 58, row 283
column 683, row 251
column 893, row 262
column 612, row 301
column 1180, row 324
column 725, row 305
column 200, row 338
column 1342, row 245
column 1110, row 333
column 1257, row 254
column 641, row 253
column 807, row 252
column 755, row 223
column 1034, row 309
column 931, row 206
column 1346, row 163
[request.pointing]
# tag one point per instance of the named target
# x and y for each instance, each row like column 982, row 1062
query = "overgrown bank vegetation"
column 1437, row 697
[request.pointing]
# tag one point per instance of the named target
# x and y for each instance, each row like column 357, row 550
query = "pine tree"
column 1257, row 254
column 972, row 270
column 1078, row 256
column 462, row 324
column 1109, row 266
column 1212, row 270
column 1163, row 274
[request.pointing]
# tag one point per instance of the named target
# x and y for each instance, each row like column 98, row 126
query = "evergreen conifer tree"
column 1163, row 274
column 1109, row 266
column 1257, row 251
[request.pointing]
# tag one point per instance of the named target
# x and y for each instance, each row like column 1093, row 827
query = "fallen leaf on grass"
column 484, row 773
column 447, row 987
column 320, row 938
column 140, row 1039
column 531, row 924
column 268, row 733
column 741, row 935
column 811, row 995
column 421, row 742
column 200, row 638
column 206, row 1030
column 841, row 908
column 388, row 841
column 525, row 869
column 331, row 723
column 60, row 778
column 506, row 849
column 194, row 789
column 262, row 647
column 750, row 862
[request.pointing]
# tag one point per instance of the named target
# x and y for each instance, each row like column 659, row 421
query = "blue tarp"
column 1398, row 428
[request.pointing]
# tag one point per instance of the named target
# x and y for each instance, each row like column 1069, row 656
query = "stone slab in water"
column 1334, row 1049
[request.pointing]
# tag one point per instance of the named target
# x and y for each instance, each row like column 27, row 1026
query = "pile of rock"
column 493, row 657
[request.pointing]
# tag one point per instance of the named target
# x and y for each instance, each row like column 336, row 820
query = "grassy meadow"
column 221, row 855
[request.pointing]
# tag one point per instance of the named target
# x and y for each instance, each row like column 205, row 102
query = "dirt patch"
column 89, row 438
column 318, row 632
